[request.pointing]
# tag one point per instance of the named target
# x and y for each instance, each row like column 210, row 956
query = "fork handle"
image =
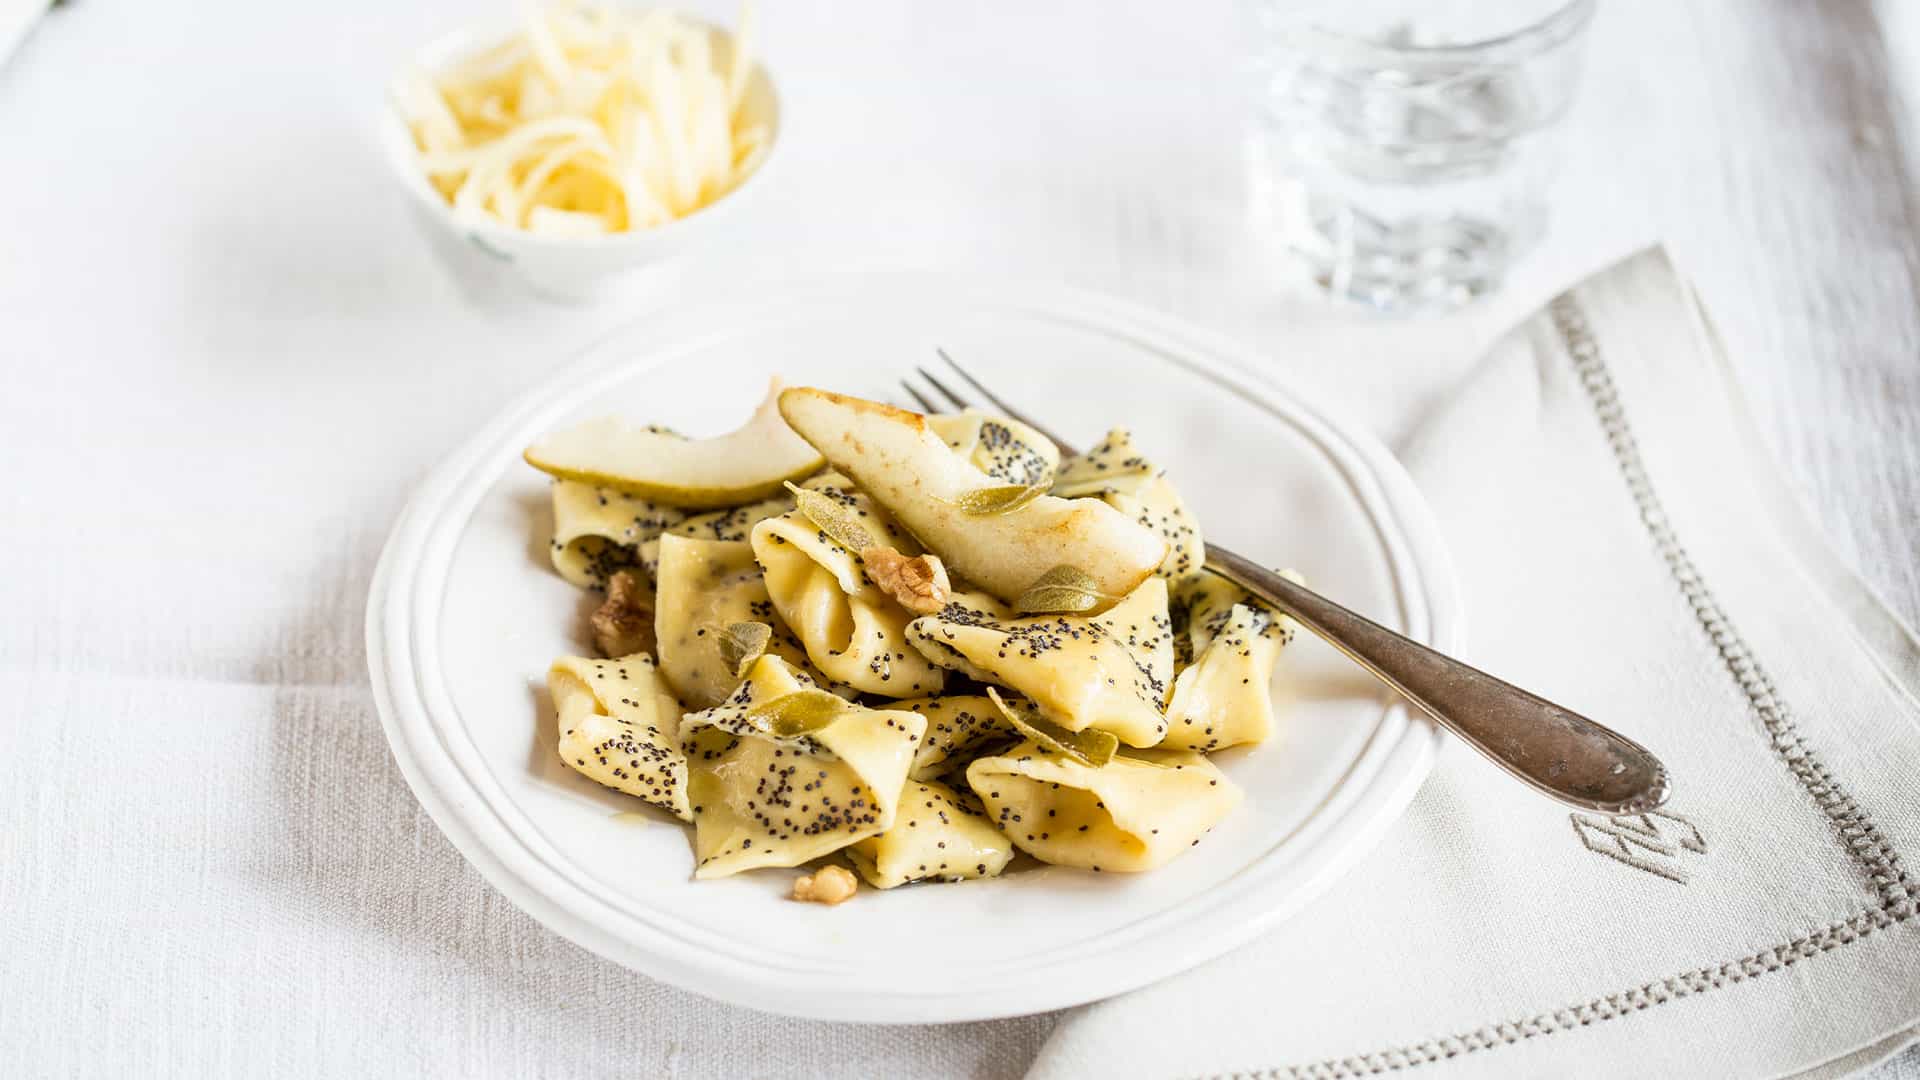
column 1573, row 759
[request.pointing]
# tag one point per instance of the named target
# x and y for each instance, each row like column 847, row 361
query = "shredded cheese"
column 592, row 120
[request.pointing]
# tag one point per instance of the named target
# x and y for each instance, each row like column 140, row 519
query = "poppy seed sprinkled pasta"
column 764, row 795
column 1134, row 813
column 851, row 629
column 1112, row 671
column 703, row 587
column 958, row 728
column 1116, row 473
column 910, row 646
column 938, row 834
column 598, row 531
column 620, row 727
column 1225, row 696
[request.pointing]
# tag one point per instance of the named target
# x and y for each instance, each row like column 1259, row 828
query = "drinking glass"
column 1402, row 149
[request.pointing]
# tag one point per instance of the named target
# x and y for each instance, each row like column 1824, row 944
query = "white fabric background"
column 1503, row 936
column 227, row 355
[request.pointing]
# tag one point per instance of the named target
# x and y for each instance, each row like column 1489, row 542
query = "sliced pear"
column 906, row 467
column 749, row 463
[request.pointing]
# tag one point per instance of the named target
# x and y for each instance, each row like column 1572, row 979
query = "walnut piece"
column 829, row 885
column 919, row 583
column 624, row 624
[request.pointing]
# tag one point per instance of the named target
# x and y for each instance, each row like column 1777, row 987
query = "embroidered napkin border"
column 1895, row 895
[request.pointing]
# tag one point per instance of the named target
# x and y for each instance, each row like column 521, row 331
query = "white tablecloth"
column 227, row 355
column 1620, row 537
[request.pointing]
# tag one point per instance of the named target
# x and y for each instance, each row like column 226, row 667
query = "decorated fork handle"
column 1561, row 753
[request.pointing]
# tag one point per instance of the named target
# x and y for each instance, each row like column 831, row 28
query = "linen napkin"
column 1624, row 547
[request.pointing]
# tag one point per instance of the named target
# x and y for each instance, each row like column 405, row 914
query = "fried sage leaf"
column 1063, row 590
column 834, row 518
column 999, row 499
column 802, row 712
column 1091, row 747
column 742, row 643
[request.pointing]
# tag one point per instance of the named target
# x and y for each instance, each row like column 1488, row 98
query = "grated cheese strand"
column 592, row 120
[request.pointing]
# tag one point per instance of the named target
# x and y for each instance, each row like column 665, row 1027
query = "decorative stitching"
column 1861, row 838
column 1645, row 996
column 1641, row 842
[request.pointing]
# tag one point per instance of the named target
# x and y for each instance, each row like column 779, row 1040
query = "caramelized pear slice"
column 901, row 463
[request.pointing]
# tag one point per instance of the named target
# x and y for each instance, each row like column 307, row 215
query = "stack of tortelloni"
column 1047, row 674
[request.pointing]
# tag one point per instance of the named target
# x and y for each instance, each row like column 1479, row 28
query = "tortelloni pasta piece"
column 850, row 628
column 1004, row 449
column 777, row 787
column 938, row 834
column 1111, row 671
column 620, row 727
column 1116, row 473
column 704, row 588
column 959, row 726
column 598, row 531
column 1225, row 696
column 1136, row 812
column 735, row 523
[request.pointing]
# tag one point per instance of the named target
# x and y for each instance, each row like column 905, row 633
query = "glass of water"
column 1402, row 148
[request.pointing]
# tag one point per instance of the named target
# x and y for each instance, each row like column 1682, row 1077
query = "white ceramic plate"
column 465, row 615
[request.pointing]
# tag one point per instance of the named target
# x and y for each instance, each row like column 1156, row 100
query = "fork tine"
column 1006, row 410
column 958, row 401
column 926, row 405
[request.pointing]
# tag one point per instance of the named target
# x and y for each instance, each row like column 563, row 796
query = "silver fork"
column 1557, row 751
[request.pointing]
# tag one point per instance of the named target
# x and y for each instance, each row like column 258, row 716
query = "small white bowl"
column 575, row 269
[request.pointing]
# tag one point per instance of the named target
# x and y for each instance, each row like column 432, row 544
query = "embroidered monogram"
column 1856, row 832
column 1653, row 842
column 1656, row 846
